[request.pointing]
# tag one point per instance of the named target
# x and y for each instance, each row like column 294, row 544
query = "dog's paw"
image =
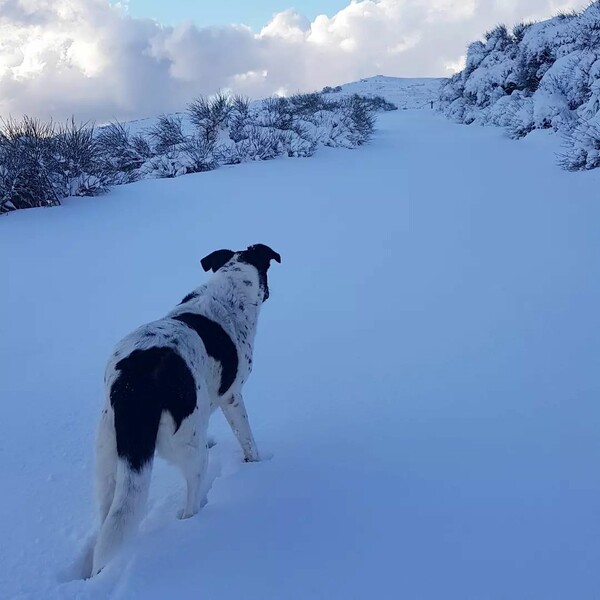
column 185, row 514
column 261, row 457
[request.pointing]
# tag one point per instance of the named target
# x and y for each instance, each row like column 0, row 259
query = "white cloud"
column 59, row 57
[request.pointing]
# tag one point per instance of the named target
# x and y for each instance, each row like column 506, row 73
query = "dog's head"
column 258, row 256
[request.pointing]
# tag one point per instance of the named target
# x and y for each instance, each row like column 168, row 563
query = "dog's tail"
column 136, row 401
column 125, row 514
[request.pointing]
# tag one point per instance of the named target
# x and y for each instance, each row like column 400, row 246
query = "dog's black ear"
column 215, row 260
column 262, row 254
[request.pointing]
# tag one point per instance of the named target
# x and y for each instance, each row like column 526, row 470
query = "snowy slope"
column 404, row 92
column 426, row 376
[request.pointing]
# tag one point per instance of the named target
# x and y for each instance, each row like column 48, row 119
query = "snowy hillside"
column 404, row 92
column 426, row 376
column 542, row 75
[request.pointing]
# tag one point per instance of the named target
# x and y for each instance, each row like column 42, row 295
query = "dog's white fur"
column 232, row 297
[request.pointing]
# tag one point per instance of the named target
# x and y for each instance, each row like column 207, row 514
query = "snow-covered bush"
column 539, row 76
column 379, row 104
column 167, row 133
column 239, row 117
column 25, row 155
column 331, row 90
column 122, row 154
column 41, row 163
column 210, row 116
column 79, row 172
column 358, row 118
column 582, row 146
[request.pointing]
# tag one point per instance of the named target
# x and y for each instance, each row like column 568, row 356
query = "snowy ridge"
column 406, row 93
column 542, row 75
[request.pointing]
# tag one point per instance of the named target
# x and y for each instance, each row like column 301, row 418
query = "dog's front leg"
column 235, row 413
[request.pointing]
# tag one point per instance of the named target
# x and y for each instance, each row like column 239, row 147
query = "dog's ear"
column 262, row 254
column 215, row 260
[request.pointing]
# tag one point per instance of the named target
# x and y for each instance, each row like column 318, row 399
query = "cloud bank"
column 91, row 59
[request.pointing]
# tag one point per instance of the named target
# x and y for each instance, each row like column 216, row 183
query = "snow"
column 426, row 376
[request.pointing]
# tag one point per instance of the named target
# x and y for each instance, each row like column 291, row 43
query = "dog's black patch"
column 218, row 346
column 189, row 297
column 215, row 260
column 149, row 382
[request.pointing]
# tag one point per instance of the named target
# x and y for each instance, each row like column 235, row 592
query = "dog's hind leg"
column 193, row 460
column 106, row 462
column 190, row 454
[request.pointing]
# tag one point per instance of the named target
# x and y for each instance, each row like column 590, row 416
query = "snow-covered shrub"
column 239, row 117
column 582, row 146
column 201, row 154
column 261, row 143
column 539, row 76
column 379, row 104
column 210, row 115
column 26, row 156
column 272, row 128
column 519, row 116
column 79, row 170
column 279, row 113
column 305, row 105
column 359, row 117
column 42, row 163
column 167, row 133
column 164, row 166
column 122, row 154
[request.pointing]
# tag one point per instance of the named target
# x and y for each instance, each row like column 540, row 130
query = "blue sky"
column 255, row 13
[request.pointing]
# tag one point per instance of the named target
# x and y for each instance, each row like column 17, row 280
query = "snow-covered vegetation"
column 542, row 75
column 43, row 163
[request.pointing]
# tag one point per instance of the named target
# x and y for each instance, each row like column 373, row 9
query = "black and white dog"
column 164, row 380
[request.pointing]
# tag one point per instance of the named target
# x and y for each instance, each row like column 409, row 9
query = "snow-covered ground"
column 426, row 376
